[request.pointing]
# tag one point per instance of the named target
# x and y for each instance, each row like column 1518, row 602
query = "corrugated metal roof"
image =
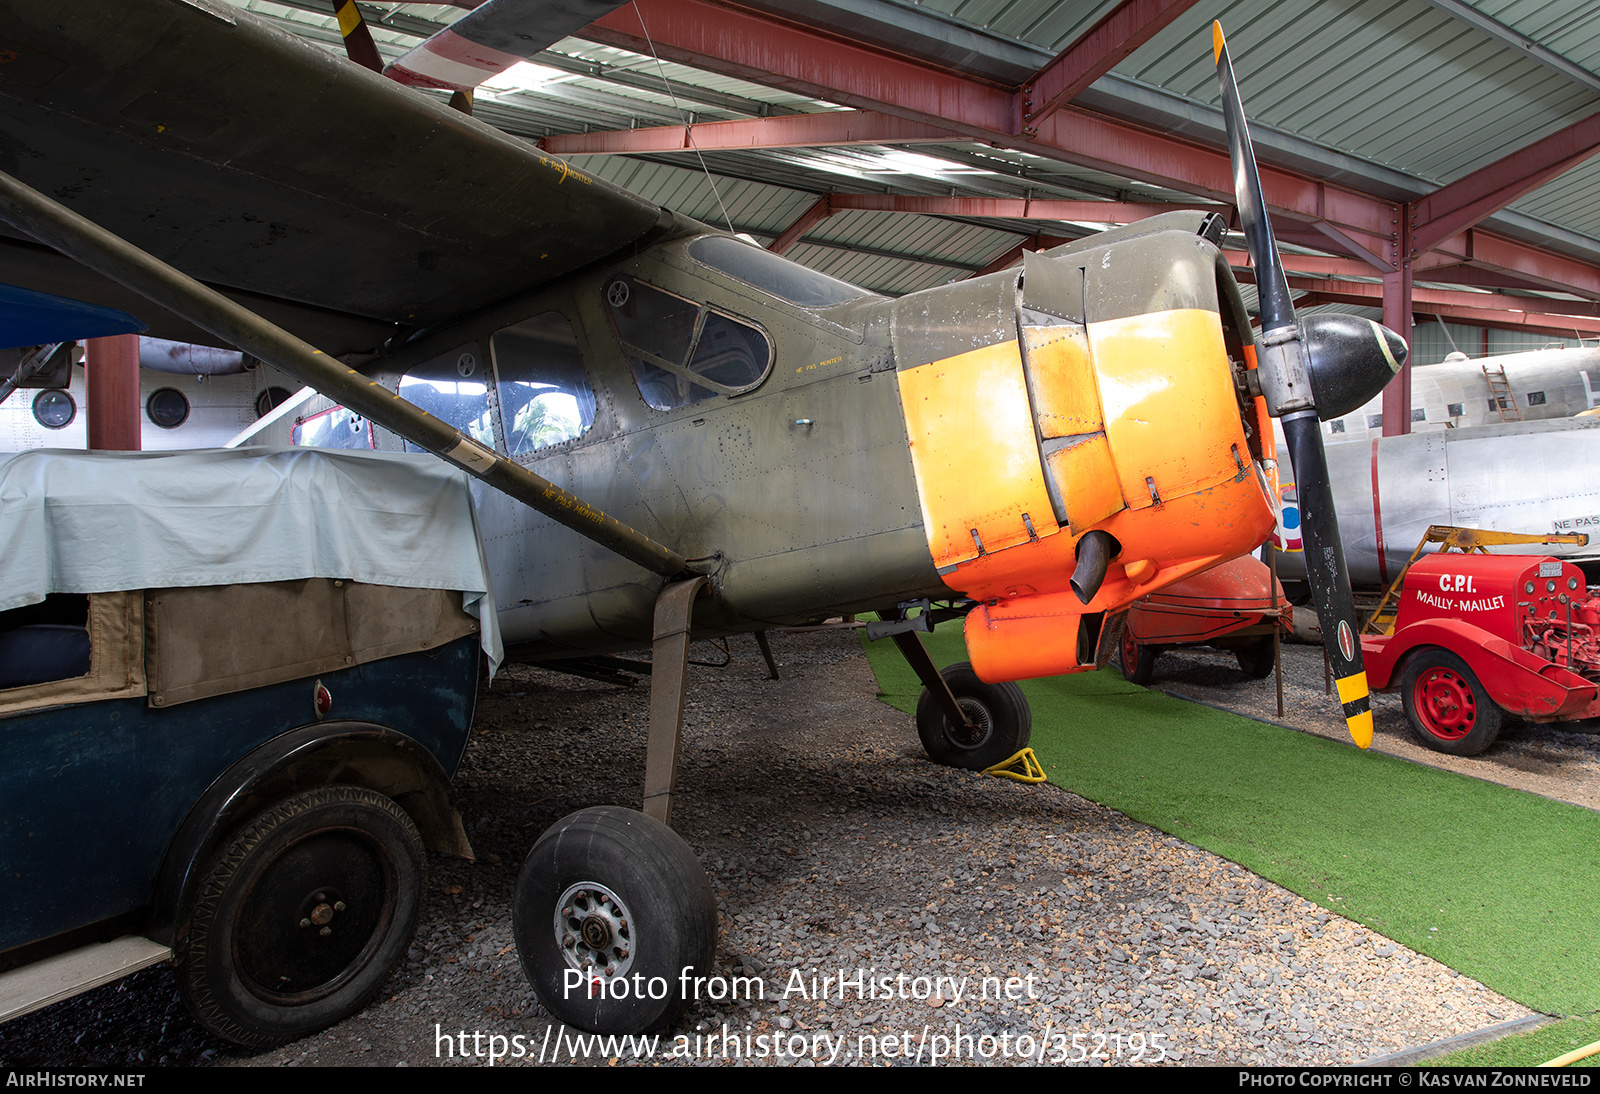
column 1569, row 29
column 1413, row 86
column 1042, row 22
column 1395, row 81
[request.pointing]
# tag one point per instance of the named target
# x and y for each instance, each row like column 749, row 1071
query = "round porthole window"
column 53, row 408
column 167, row 408
column 269, row 400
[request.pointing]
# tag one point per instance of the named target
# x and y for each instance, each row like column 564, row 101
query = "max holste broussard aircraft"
column 712, row 436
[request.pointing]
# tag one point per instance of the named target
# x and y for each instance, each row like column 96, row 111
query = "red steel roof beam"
column 773, row 53
column 1468, row 200
column 1124, row 29
column 1548, row 306
column 1530, row 266
column 768, row 51
column 1553, row 326
column 1094, row 212
column 1459, row 273
column 1373, row 290
column 737, row 42
column 1294, row 263
column 1478, row 309
column 830, row 130
column 820, row 210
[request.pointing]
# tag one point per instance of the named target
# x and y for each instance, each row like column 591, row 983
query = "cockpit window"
column 544, row 391
column 681, row 352
column 659, row 323
column 454, row 388
column 790, row 281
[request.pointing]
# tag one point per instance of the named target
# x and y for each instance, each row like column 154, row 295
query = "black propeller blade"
column 1284, row 367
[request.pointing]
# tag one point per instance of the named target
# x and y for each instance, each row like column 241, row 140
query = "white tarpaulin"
column 94, row 522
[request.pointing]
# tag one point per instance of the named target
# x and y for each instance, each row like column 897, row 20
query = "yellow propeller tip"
column 1361, row 729
column 1217, row 42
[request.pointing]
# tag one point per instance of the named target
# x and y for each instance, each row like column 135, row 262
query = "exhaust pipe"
column 1094, row 553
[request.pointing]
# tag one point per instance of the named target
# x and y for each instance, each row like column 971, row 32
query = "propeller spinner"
column 1330, row 360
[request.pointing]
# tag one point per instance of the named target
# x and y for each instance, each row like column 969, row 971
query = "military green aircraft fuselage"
column 826, row 450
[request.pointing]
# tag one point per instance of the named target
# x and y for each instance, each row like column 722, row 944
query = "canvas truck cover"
column 102, row 522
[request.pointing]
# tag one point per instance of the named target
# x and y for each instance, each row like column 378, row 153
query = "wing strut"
column 84, row 241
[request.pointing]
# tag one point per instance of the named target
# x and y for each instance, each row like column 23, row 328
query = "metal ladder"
column 1505, row 400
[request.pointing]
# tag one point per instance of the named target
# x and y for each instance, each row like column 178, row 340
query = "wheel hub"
column 594, row 931
column 980, row 727
column 1447, row 705
column 301, row 938
column 322, row 912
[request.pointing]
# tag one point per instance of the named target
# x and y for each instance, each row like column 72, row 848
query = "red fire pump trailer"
column 1478, row 636
column 1230, row 607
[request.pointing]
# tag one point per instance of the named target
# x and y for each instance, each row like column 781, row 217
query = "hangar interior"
column 1434, row 150
column 1426, row 164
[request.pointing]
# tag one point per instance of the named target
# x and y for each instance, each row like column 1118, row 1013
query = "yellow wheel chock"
column 1024, row 767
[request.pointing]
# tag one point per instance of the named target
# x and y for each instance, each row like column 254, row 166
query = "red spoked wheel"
column 1448, row 708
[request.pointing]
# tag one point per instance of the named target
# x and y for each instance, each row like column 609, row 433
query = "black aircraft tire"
column 1448, row 708
column 301, row 917
column 1000, row 713
column 1256, row 660
column 613, row 884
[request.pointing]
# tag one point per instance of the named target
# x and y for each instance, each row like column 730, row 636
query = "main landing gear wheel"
column 613, row 916
column 1256, row 660
column 1001, row 722
column 1136, row 660
column 1448, row 709
column 301, row 917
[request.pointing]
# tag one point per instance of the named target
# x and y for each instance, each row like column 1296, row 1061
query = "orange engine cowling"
column 1116, row 409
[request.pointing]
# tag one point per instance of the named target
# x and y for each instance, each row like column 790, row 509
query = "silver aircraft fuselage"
column 1455, row 393
column 1522, row 477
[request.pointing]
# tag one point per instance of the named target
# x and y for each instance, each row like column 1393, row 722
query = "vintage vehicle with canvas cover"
column 233, row 689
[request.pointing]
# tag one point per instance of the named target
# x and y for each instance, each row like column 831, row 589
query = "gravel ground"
column 834, row 846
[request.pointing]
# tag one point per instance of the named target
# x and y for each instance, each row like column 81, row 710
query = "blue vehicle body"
column 234, row 687
column 97, row 792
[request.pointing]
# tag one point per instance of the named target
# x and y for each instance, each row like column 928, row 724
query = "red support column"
column 1397, row 317
column 111, row 371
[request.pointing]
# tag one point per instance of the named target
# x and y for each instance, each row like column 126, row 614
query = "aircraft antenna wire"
column 1444, row 327
column 688, row 126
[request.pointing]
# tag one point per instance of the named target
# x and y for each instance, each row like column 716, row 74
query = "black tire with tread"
column 243, row 926
column 1256, row 660
column 659, row 881
column 1000, row 711
column 1136, row 660
column 1453, row 713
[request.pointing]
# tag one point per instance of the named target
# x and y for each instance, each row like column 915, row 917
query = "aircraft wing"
column 338, row 203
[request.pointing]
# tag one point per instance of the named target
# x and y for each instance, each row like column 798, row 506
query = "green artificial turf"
column 1498, row 884
column 1531, row 1049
